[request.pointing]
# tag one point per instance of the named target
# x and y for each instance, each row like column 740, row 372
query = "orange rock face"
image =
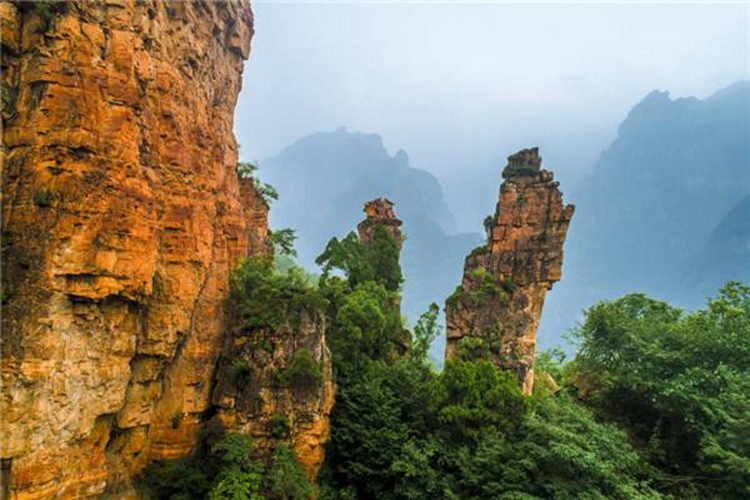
column 495, row 312
column 122, row 216
column 250, row 397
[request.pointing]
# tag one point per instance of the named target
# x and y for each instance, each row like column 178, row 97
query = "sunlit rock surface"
column 122, row 216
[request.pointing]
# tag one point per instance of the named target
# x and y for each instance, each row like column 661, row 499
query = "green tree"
column 267, row 299
column 286, row 478
column 426, row 331
column 679, row 383
column 240, row 477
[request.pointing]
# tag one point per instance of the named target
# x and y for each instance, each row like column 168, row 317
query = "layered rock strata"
column 122, row 216
column 495, row 311
column 277, row 386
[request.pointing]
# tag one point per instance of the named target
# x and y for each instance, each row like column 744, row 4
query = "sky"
column 461, row 85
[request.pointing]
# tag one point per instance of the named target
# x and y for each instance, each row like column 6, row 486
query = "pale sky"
column 462, row 85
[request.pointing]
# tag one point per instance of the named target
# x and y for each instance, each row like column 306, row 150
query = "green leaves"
column 678, row 382
column 377, row 262
column 283, row 241
column 476, row 397
column 269, row 299
column 426, row 330
column 286, row 477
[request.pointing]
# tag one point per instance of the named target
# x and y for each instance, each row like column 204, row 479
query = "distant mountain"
column 325, row 178
column 726, row 256
column 654, row 200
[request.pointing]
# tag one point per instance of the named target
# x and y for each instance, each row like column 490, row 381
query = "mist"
column 461, row 86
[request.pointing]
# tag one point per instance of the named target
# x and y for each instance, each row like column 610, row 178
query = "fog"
column 462, row 85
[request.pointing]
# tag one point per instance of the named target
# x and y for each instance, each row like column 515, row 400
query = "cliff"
column 122, row 216
column 276, row 384
column 497, row 307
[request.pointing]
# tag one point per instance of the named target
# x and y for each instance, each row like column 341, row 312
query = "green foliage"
column 486, row 288
column 383, row 254
column 8, row 98
column 472, row 349
column 426, row 330
column 489, row 222
column 679, row 383
column 176, row 480
column 283, row 241
column 278, row 426
column 377, row 413
column 268, row 299
column 286, row 477
column 266, row 191
column 476, row 397
column 240, row 371
column 246, row 170
column 366, row 325
column 376, row 262
column 303, row 372
column 7, row 294
column 454, row 297
column 559, row 451
column 239, row 477
column 43, row 198
column 284, row 264
column 228, row 471
column 552, row 362
column 480, row 250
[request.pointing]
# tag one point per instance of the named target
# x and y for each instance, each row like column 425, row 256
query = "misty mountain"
column 726, row 256
column 325, row 178
column 657, row 198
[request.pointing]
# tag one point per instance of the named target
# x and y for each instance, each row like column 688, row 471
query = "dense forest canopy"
column 654, row 404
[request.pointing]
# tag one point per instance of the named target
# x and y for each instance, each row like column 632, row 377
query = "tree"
column 679, row 383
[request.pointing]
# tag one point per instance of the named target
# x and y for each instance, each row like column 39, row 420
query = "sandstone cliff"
column 277, row 386
column 122, row 216
column 499, row 302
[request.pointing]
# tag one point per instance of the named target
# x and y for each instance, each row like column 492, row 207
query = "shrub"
column 303, row 373
column 240, row 371
column 283, row 241
column 268, row 299
column 278, row 426
column 287, row 478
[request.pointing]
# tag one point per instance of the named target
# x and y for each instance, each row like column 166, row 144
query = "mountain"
column 324, row 179
column 654, row 200
column 725, row 257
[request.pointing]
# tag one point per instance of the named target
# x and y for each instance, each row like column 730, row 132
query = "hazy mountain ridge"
column 725, row 257
column 653, row 201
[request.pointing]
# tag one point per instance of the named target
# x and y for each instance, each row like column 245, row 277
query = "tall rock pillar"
column 495, row 312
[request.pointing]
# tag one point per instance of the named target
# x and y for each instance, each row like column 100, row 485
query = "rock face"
column 122, row 216
column 497, row 307
column 277, row 386
column 379, row 212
